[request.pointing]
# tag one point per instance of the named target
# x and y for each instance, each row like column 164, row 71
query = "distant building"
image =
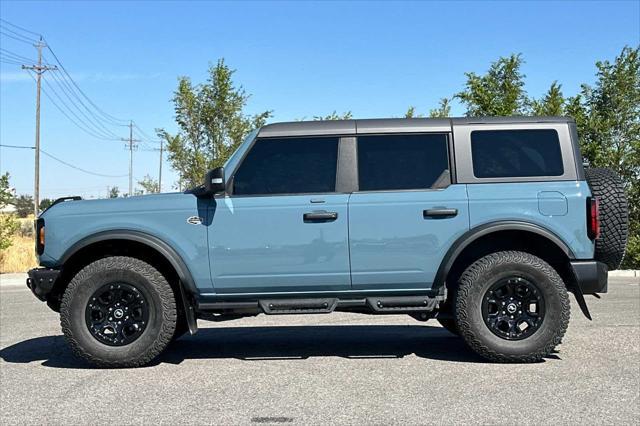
column 9, row 208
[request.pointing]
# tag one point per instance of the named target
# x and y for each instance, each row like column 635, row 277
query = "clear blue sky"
column 298, row 59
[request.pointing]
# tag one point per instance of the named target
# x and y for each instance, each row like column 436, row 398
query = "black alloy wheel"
column 117, row 314
column 513, row 308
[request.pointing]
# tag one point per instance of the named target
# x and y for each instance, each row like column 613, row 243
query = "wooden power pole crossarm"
column 39, row 69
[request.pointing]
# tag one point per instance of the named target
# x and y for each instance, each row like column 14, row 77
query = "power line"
column 114, row 120
column 26, row 40
column 80, row 126
column 14, row 55
column 20, row 28
column 62, row 161
column 94, row 121
column 10, row 62
column 78, row 168
column 17, row 146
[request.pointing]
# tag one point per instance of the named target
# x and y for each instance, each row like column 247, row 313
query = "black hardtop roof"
column 390, row 125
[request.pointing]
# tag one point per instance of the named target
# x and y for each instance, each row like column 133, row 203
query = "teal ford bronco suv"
column 484, row 224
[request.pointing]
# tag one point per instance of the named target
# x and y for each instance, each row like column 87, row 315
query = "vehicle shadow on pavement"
column 275, row 343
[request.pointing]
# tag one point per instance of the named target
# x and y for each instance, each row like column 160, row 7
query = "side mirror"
column 214, row 181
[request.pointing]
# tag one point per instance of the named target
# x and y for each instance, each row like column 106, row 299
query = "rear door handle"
column 439, row 213
column 319, row 216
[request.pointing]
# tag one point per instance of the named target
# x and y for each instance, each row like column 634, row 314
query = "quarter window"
column 288, row 166
column 516, row 153
column 395, row 162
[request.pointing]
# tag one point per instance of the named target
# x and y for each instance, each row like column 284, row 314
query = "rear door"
column 406, row 213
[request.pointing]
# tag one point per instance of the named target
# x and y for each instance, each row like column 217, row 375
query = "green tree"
column 114, row 192
column 411, row 113
column 553, row 102
column 500, row 92
column 8, row 223
column 211, row 122
column 149, row 185
column 608, row 118
column 443, row 110
column 24, row 205
column 334, row 116
column 45, row 203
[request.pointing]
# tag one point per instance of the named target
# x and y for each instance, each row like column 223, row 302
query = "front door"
column 283, row 228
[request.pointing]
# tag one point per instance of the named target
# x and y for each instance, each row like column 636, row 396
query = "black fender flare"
column 488, row 228
column 175, row 260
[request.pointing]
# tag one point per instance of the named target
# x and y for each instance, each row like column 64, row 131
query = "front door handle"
column 439, row 213
column 319, row 216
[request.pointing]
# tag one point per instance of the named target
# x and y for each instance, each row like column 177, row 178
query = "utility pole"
column 131, row 140
column 39, row 70
column 160, row 172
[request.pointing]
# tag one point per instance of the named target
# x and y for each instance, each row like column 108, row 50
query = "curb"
column 625, row 273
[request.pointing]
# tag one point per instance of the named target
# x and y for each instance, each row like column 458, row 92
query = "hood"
column 137, row 204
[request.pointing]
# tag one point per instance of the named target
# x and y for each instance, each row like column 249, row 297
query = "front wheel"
column 512, row 307
column 118, row 312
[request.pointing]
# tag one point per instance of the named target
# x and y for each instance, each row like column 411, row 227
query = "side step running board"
column 324, row 305
column 298, row 306
column 402, row 304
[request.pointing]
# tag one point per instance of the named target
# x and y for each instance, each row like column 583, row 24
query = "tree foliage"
column 8, row 223
column 24, row 205
column 334, row 116
column 443, row 109
column 149, row 185
column 499, row 92
column 114, row 192
column 211, row 121
column 552, row 104
column 45, row 203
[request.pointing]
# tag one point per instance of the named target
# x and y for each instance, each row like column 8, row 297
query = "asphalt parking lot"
column 324, row 369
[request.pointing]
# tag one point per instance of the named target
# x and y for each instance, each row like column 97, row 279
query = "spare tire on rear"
column 606, row 185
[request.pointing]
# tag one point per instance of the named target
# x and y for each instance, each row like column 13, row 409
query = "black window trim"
column 229, row 184
column 450, row 159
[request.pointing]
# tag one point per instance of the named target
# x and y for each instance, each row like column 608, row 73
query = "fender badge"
column 194, row 220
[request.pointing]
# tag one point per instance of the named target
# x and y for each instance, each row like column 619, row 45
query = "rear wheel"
column 118, row 312
column 512, row 307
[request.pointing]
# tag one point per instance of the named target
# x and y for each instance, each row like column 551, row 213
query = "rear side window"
column 288, row 166
column 516, row 153
column 393, row 162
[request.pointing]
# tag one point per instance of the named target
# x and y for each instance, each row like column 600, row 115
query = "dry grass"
column 20, row 257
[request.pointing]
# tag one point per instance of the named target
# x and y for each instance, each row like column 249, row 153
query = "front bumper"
column 591, row 276
column 41, row 281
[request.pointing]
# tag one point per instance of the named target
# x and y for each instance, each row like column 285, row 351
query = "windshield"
column 232, row 162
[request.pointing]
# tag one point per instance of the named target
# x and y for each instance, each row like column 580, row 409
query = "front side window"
column 288, row 166
column 396, row 162
column 516, row 153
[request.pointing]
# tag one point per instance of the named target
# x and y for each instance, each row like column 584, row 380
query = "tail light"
column 40, row 236
column 593, row 218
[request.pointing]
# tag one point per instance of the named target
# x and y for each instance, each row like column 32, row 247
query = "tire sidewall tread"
column 149, row 281
column 475, row 281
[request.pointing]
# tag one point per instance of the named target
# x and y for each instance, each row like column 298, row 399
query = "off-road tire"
column 611, row 244
column 162, row 312
column 450, row 325
column 483, row 273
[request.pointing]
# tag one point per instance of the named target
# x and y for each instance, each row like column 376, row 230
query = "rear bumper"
column 591, row 276
column 41, row 281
